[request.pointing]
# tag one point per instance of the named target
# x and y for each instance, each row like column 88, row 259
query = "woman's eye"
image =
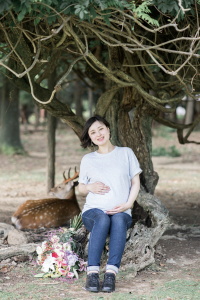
column 101, row 128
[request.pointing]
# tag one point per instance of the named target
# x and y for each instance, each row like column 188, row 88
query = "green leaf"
column 39, row 275
column 75, row 273
column 52, row 19
column 81, row 15
column 55, row 276
column 5, row 5
column 93, row 12
column 37, row 20
column 21, row 15
column 77, row 10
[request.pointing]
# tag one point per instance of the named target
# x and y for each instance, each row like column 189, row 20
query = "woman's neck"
column 104, row 149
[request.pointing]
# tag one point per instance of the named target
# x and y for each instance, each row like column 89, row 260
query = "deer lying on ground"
column 50, row 212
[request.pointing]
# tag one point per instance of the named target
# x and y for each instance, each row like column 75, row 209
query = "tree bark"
column 90, row 101
column 189, row 110
column 78, row 96
column 51, row 143
column 27, row 249
column 37, row 117
column 10, row 142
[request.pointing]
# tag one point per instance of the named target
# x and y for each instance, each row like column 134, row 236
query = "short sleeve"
column 134, row 167
column 83, row 177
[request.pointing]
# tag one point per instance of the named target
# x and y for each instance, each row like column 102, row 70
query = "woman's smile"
column 100, row 139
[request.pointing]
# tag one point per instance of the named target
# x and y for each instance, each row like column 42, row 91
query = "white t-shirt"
column 115, row 169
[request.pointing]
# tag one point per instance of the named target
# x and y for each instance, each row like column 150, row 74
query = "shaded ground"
column 176, row 273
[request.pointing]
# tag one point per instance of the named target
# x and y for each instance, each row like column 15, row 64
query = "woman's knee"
column 103, row 221
column 97, row 218
column 121, row 219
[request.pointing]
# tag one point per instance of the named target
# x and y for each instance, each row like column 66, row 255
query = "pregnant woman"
column 110, row 179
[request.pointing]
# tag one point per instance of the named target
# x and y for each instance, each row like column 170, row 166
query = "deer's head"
column 63, row 190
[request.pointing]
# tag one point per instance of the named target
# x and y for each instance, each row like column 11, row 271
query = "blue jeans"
column 100, row 224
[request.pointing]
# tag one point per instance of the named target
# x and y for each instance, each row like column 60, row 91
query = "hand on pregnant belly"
column 98, row 188
column 117, row 209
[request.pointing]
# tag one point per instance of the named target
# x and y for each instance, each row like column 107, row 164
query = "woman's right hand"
column 98, row 188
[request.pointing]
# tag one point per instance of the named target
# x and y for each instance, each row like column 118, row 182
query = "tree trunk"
column 90, row 101
column 37, row 117
column 10, row 142
column 51, row 130
column 78, row 96
column 189, row 110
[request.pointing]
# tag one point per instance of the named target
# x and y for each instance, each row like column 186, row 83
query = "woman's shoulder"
column 125, row 149
column 87, row 156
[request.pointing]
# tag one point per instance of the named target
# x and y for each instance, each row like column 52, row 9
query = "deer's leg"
column 119, row 224
column 98, row 223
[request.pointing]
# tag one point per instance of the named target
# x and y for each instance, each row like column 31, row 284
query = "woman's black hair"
column 85, row 139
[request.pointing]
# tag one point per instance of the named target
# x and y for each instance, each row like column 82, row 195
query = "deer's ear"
column 76, row 183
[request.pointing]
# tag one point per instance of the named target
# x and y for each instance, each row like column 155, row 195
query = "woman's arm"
column 135, row 187
column 96, row 188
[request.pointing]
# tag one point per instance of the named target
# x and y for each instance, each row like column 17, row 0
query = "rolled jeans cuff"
column 93, row 268
column 113, row 268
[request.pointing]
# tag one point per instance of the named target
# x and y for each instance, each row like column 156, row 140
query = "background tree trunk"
column 90, row 100
column 78, row 96
column 51, row 143
column 189, row 110
column 37, row 117
column 10, row 142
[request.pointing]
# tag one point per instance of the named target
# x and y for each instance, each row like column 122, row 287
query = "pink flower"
column 62, row 271
column 70, row 275
column 63, row 263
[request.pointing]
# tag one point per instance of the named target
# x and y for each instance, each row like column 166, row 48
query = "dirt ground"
column 176, row 272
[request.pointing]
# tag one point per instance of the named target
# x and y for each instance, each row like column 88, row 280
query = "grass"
column 174, row 290
column 9, row 150
column 164, row 132
column 39, row 176
column 170, row 151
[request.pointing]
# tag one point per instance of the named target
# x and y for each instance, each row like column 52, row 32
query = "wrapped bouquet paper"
column 58, row 255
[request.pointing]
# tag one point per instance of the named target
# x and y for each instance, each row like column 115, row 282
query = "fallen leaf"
column 162, row 265
column 4, row 269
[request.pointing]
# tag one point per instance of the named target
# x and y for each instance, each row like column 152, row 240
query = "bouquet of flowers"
column 58, row 255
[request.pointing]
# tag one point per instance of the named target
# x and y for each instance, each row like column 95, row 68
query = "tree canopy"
column 136, row 46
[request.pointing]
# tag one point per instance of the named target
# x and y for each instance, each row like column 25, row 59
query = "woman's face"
column 99, row 133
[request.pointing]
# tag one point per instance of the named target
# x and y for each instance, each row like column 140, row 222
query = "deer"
column 50, row 212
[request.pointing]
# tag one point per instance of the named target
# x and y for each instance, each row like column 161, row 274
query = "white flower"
column 57, row 246
column 39, row 257
column 39, row 250
column 67, row 247
column 58, row 249
column 49, row 264
column 55, row 239
column 44, row 245
column 72, row 229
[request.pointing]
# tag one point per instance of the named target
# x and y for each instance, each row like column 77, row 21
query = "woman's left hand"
column 117, row 209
